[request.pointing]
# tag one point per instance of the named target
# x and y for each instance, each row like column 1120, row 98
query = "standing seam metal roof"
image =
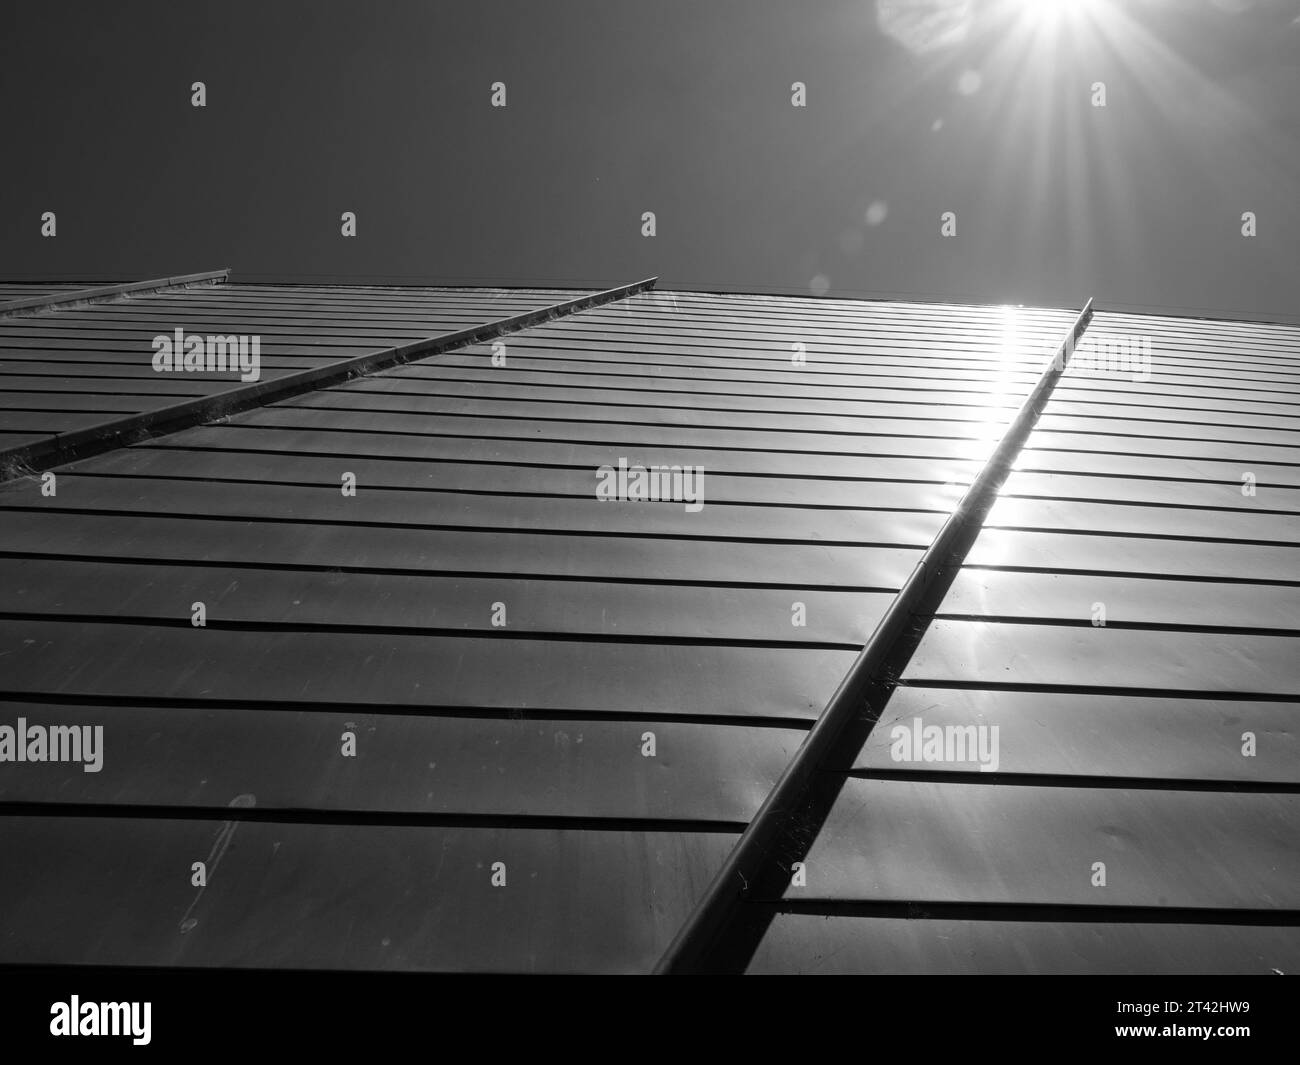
column 523, row 743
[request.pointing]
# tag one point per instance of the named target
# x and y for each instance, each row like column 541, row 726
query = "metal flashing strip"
column 105, row 293
column 57, row 450
column 867, row 684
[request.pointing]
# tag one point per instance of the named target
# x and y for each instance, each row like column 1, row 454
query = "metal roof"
column 501, row 642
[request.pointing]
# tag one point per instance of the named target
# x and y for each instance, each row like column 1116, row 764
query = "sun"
column 1054, row 13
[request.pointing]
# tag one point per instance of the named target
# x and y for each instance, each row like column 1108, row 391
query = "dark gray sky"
column 681, row 107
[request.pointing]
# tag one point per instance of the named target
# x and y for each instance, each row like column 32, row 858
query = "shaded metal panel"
column 1210, row 448
column 1213, row 389
column 706, row 391
column 1178, row 401
column 137, row 349
column 503, row 478
column 613, row 433
column 1225, row 493
column 116, row 891
column 44, row 421
column 662, row 371
column 1068, row 655
column 1090, row 735
column 457, row 510
column 1174, row 418
column 1145, row 521
column 530, row 453
column 796, row 416
column 78, row 400
column 919, row 841
column 1193, row 428
column 394, row 411
column 307, row 598
column 1131, row 555
column 858, row 360
column 407, row 764
column 152, row 662
column 764, row 342
column 106, row 376
column 358, row 547
column 1127, row 465
column 980, row 593
column 816, row 943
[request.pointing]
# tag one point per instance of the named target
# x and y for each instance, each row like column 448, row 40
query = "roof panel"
column 972, row 842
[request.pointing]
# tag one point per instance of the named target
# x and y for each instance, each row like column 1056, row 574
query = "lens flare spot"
column 969, row 83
